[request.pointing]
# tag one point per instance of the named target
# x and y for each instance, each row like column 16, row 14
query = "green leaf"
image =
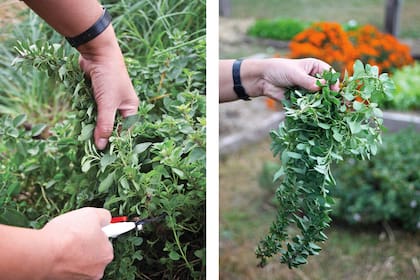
column 19, row 120
column 324, row 125
column 86, row 165
column 87, row 132
column 13, row 189
column 321, row 169
column 294, row 155
column 38, row 129
column 200, row 253
column 178, row 172
column 278, row 174
column 355, row 127
column 12, row 132
column 358, row 105
column 106, row 183
column 130, row 121
column 173, row 255
column 337, row 135
column 197, row 154
column 140, row 148
column 378, row 112
column 301, row 260
column 107, row 160
column 314, row 246
column 12, row 217
column 358, row 68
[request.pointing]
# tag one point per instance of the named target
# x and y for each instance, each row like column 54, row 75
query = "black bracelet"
column 237, row 85
column 97, row 28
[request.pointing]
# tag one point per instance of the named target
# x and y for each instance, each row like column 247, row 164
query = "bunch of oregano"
column 320, row 128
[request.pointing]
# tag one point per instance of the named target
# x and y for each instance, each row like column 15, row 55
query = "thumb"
column 104, row 216
column 104, row 126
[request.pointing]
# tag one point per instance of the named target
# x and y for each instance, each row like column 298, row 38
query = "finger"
column 318, row 66
column 130, row 109
column 104, row 126
column 336, row 86
column 310, row 83
column 323, row 66
column 104, row 216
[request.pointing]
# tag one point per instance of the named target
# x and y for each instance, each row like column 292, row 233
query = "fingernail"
column 102, row 142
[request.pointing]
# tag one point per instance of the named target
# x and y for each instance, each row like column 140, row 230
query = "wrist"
column 48, row 244
column 104, row 45
column 252, row 76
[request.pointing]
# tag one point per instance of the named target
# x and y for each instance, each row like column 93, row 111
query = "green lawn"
column 370, row 11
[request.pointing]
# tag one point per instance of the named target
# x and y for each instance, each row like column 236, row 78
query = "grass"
column 350, row 253
column 372, row 12
column 30, row 92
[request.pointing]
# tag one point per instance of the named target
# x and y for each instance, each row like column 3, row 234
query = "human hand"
column 80, row 248
column 102, row 61
column 280, row 74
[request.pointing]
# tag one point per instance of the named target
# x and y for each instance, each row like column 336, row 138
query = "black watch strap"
column 237, row 84
column 97, row 28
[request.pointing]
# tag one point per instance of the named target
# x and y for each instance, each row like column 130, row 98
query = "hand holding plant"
column 112, row 87
column 281, row 74
column 271, row 77
column 319, row 129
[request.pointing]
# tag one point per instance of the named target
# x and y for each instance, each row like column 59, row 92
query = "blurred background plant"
column 330, row 42
column 279, row 29
column 385, row 189
column 380, row 49
column 30, row 91
column 407, row 94
column 327, row 41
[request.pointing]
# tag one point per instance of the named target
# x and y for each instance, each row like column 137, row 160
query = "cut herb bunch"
column 320, row 128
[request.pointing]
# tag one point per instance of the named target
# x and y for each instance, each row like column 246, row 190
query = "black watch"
column 97, row 28
column 237, row 84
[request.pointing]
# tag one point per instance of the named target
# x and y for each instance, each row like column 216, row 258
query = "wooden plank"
column 392, row 16
column 225, row 8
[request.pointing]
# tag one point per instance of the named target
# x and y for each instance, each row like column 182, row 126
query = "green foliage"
column 407, row 94
column 384, row 189
column 319, row 129
column 30, row 91
column 155, row 163
column 279, row 29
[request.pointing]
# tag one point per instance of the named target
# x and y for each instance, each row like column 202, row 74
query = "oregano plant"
column 319, row 129
column 154, row 164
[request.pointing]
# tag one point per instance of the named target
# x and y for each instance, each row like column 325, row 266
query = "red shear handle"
column 118, row 219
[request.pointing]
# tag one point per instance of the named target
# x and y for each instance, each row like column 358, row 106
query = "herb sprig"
column 320, row 128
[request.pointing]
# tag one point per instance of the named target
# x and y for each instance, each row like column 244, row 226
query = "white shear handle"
column 113, row 230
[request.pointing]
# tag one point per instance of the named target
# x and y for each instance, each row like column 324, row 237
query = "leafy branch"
column 320, row 128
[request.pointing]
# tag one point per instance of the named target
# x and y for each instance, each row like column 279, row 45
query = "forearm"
column 72, row 17
column 68, row 17
column 251, row 74
column 23, row 254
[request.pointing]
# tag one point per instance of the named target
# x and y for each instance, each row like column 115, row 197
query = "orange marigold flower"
column 329, row 42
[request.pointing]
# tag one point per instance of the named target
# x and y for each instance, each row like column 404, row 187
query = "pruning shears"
column 121, row 224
